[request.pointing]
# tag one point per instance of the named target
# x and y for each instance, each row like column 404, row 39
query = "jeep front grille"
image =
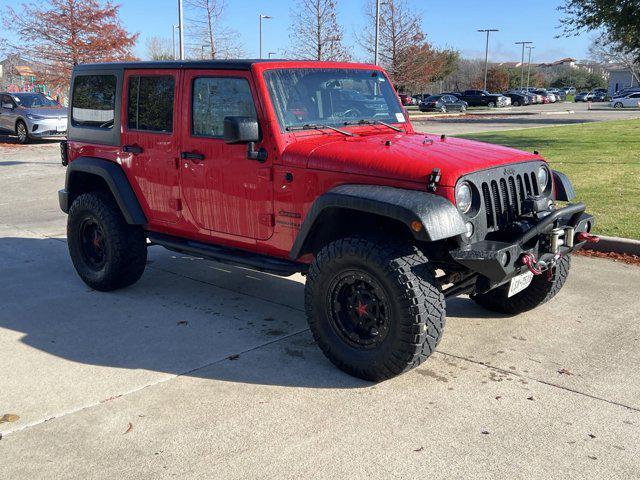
column 503, row 197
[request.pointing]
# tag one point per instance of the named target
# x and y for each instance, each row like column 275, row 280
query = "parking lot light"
column 486, row 53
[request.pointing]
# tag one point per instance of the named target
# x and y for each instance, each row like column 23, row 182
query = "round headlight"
column 543, row 178
column 464, row 197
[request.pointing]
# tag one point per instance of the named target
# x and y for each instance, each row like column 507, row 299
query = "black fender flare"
column 563, row 186
column 439, row 217
column 115, row 178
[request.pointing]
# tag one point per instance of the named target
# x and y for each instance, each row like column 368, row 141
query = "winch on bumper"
column 517, row 227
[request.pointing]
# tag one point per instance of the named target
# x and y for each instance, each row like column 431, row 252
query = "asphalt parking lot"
column 555, row 114
column 202, row 370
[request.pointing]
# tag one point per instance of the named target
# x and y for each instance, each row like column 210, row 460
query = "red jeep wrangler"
column 311, row 167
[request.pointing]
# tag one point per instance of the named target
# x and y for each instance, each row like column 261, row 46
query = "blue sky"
column 447, row 24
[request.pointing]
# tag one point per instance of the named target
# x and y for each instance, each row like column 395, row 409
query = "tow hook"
column 587, row 237
column 538, row 267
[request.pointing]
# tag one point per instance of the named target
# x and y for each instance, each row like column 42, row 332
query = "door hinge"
column 266, row 219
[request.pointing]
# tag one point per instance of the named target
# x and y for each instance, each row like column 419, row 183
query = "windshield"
column 331, row 96
column 32, row 100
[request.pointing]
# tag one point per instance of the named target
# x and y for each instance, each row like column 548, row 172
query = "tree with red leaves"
column 64, row 33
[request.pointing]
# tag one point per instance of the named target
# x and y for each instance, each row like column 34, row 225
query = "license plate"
column 519, row 283
column 61, row 128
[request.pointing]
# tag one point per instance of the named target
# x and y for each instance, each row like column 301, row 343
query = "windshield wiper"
column 374, row 122
column 317, row 126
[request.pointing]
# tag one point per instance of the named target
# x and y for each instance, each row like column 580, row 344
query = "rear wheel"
column 491, row 105
column 106, row 252
column 542, row 289
column 443, row 109
column 22, row 132
column 373, row 306
column 516, row 103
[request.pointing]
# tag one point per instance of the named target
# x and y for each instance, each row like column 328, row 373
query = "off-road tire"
column 541, row 290
column 417, row 305
column 22, row 132
column 124, row 245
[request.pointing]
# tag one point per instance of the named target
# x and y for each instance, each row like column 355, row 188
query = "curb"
column 616, row 245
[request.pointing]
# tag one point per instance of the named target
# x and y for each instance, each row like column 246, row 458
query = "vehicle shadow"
column 186, row 316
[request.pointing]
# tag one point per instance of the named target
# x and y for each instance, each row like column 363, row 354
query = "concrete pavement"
column 202, row 370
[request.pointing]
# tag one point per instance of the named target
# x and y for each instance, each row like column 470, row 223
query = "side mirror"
column 241, row 130
column 8, row 105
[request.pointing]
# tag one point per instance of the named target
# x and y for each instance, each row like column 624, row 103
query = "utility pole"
column 181, row 27
column 522, row 63
column 375, row 49
column 173, row 37
column 265, row 17
column 486, row 53
column 529, row 68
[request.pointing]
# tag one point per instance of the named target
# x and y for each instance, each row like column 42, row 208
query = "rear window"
column 150, row 104
column 93, row 102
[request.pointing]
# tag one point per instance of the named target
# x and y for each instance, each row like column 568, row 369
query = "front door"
column 223, row 190
column 150, row 140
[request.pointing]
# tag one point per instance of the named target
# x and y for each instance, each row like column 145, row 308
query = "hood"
column 48, row 112
column 407, row 157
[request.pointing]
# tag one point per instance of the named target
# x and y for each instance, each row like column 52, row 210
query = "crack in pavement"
column 544, row 382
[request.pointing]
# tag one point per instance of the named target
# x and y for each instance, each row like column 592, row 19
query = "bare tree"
column 315, row 32
column 158, row 48
column 208, row 37
column 606, row 50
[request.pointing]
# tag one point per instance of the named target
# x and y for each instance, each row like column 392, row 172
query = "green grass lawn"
column 601, row 159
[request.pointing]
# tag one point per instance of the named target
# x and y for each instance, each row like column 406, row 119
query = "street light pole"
column 181, row 27
column 486, row 53
column 522, row 63
column 271, row 53
column 266, row 17
column 173, row 38
column 529, row 68
column 375, row 49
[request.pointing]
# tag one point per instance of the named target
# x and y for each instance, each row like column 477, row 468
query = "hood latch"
column 434, row 178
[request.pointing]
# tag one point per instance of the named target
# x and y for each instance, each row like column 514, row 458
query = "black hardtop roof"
column 235, row 64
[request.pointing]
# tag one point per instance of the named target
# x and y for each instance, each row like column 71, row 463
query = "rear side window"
column 93, row 102
column 216, row 98
column 150, row 104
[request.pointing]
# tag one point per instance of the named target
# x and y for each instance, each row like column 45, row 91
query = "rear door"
column 150, row 140
column 223, row 190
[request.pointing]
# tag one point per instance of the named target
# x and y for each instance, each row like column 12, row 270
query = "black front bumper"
column 555, row 234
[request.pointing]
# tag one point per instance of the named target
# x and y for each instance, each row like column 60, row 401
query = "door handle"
column 135, row 149
column 192, row 156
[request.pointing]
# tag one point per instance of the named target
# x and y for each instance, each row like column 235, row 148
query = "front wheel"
column 491, row 105
column 618, row 105
column 22, row 132
column 542, row 289
column 373, row 306
column 106, row 252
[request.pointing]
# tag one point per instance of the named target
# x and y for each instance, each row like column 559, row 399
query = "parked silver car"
column 32, row 115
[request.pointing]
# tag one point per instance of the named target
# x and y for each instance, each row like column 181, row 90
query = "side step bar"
column 232, row 256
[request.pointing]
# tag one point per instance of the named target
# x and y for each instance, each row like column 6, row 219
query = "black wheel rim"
column 359, row 309
column 92, row 243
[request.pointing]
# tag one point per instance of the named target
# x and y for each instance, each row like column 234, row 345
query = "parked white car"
column 632, row 100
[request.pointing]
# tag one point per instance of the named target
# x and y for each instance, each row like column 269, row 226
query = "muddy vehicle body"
column 314, row 168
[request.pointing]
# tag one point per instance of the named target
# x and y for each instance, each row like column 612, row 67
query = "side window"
column 6, row 100
column 93, row 102
column 150, row 103
column 214, row 98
